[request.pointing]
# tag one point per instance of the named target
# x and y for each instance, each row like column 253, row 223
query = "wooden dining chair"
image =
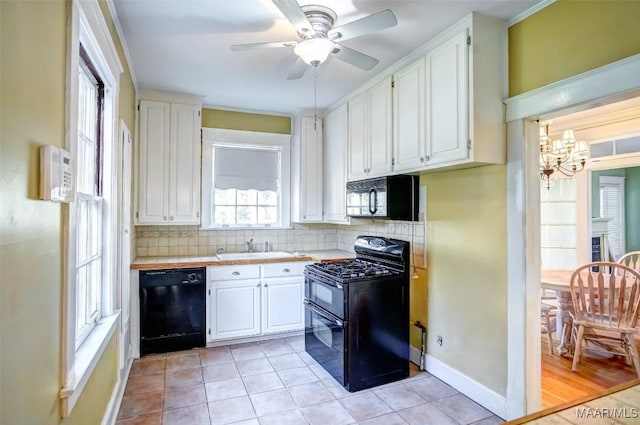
column 606, row 301
column 631, row 259
column 548, row 310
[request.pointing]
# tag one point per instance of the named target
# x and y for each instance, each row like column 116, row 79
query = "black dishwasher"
column 172, row 310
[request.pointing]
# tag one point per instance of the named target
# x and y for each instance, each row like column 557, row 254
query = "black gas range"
column 357, row 314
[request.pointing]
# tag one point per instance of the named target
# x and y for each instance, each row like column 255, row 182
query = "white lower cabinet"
column 234, row 308
column 269, row 303
column 282, row 308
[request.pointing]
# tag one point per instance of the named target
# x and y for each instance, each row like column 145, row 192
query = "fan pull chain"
column 315, row 97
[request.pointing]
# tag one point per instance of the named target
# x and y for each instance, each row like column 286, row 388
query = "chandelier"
column 565, row 155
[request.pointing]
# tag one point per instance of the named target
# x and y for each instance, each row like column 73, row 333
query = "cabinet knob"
column 171, row 218
column 266, row 285
column 236, row 273
column 426, row 158
column 285, row 270
column 422, row 159
column 164, row 218
column 258, row 285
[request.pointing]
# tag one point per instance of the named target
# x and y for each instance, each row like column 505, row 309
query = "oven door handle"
column 323, row 314
column 323, row 282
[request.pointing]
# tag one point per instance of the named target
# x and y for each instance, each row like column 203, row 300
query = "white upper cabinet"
column 357, row 138
column 447, row 106
column 335, row 165
column 153, row 163
column 370, row 132
column 307, row 171
column 466, row 81
column 408, row 116
column 169, row 161
column 380, row 127
column 184, row 168
column 447, row 123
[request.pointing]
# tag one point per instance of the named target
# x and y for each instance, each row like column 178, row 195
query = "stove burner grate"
column 354, row 269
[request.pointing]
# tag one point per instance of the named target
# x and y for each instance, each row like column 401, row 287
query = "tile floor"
column 277, row 382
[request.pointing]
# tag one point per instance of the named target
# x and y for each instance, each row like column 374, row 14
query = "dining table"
column 559, row 281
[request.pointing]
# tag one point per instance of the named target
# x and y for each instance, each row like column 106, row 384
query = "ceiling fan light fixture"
column 314, row 51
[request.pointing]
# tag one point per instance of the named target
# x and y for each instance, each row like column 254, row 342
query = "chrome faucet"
column 266, row 246
column 250, row 245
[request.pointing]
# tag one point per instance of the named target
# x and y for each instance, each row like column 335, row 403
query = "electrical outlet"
column 439, row 340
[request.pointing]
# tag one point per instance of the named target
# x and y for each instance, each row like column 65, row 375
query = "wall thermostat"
column 56, row 174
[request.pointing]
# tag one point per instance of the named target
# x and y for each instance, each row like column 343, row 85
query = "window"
column 246, row 186
column 89, row 209
column 90, row 292
column 612, row 206
column 245, row 179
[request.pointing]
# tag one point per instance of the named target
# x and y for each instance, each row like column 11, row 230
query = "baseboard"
column 111, row 413
column 477, row 392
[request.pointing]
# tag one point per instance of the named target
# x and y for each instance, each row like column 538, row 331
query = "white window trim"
column 86, row 25
column 213, row 136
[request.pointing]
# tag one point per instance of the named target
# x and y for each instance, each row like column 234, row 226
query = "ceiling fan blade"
column 251, row 46
column 376, row 22
column 292, row 11
column 355, row 58
column 298, row 70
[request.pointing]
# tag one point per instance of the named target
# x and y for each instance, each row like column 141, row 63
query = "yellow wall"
column 467, row 272
column 91, row 406
column 232, row 120
column 567, row 38
column 32, row 109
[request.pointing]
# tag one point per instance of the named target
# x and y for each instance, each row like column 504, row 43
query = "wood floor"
column 596, row 371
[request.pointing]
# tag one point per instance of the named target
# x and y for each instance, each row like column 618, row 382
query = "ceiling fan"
column 319, row 38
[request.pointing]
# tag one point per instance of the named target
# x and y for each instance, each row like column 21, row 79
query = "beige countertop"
column 150, row 263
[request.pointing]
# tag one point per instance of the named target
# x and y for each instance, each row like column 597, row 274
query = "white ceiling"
column 183, row 46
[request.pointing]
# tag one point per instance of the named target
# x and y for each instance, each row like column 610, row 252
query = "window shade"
column 244, row 169
column 611, row 207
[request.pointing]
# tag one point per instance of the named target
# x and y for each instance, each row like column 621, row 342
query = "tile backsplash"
column 154, row 241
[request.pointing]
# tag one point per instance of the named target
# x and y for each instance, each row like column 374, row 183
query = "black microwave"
column 390, row 198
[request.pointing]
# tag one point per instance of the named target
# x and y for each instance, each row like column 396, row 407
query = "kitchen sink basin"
column 230, row 256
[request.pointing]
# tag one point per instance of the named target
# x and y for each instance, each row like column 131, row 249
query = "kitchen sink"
column 230, row 256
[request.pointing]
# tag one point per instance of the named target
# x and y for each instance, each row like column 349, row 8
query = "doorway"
column 612, row 83
column 575, row 211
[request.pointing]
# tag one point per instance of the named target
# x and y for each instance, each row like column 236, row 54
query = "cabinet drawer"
column 234, row 272
column 283, row 269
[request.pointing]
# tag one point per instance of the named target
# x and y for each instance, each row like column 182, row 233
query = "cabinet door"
column 447, row 83
column 335, row 164
column 153, row 165
column 282, row 308
column 356, row 155
column 235, row 309
column 380, row 131
column 311, row 169
column 184, row 172
column 408, row 117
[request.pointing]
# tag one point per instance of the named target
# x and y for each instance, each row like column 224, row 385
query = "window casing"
column 89, row 318
column 89, row 210
column 245, row 180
